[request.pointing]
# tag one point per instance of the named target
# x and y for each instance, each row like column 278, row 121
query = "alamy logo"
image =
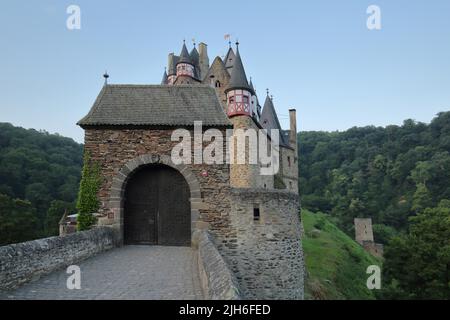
column 74, row 280
column 239, row 146
column 73, row 21
column 374, row 20
column 374, row 280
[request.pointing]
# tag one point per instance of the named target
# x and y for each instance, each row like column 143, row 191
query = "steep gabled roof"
column 269, row 120
column 155, row 105
column 238, row 78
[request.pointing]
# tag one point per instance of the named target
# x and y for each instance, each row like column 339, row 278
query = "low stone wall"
column 217, row 280
column 263, row 244
column 22, row 262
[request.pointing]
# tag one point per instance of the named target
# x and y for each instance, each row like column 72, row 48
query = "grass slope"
column 335, row 263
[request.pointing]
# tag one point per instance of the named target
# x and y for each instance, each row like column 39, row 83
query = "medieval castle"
column 253, row 219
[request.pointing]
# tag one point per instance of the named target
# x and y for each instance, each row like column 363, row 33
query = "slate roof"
column 195, row 58
column 184, row 55
column 238, row 78
column 164, row 78
column 156, row 105
column 229, row 59
column 269, row 120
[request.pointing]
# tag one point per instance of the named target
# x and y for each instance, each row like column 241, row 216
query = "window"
column 256, row 214
column 245, row 99
column 289, row 161
column 231, row 100
column 218, row 84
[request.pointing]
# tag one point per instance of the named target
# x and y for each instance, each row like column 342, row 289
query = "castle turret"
column 255, row 113
column 185, row 66
column 203, row 60
column 172, row 71
column 239, row 93
column 164, row 78
column 293, row 129
column 195, row 59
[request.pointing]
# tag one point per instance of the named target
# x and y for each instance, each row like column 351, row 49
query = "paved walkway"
column 130, row 272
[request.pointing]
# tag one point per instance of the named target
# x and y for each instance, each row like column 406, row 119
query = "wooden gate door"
column 157, row 208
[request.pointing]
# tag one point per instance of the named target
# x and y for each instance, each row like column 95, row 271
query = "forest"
column 400, row 177
column 397, row 175
column 39, row 181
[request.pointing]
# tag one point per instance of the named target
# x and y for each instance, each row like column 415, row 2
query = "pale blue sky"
column 317, row 56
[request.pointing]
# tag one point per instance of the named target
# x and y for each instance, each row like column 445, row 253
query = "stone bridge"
column 37, row 269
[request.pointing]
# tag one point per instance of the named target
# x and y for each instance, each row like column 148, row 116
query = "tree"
column 417, row 265
column 54, row 215
column 88, row 203
column 18, row 222
column 421, row 198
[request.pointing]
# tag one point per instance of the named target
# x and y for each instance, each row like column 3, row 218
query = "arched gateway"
column 155, row 201
column 157, row 207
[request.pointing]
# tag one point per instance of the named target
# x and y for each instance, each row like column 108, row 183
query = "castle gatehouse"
column 150, row 199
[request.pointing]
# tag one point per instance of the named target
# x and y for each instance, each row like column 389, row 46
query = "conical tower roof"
column 238, row 78
column 269, row 119
column 184, row 55
column 251, row 85
column 229, row 59
column 164, row 78
column 195, row 58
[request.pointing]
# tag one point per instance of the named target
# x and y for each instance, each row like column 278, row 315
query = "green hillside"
column 39, row 180
column 336, row 265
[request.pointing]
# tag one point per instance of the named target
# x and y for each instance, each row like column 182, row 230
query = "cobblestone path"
column 130, row 272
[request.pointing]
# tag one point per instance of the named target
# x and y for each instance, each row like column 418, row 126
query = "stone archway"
column 117, row 191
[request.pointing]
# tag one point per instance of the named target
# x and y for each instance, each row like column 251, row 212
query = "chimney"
column 203, row 59
column 293, row 129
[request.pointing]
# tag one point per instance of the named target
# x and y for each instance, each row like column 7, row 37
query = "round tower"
column 239, row 93
column 184, row 66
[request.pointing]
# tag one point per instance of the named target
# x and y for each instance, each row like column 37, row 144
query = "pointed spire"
column 251, row 85
column 184, row 55
column 269, row 119
column 164, row 78
column 238, row 78
column 195, row 60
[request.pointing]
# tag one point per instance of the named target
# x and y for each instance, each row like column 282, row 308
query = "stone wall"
column 289, row 168
column 375, row 249
column 216, row 278
column 247, row 175
column 265, row 252
column 115, row 149
column 22, row 262
column 363, row 230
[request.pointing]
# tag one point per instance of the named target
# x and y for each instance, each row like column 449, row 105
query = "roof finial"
column 267, row 90
column 237, row 44
column 106, row 76
column 193, row 41
column 229, row 43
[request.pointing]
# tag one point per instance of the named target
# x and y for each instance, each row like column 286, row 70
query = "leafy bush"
column 88, row 203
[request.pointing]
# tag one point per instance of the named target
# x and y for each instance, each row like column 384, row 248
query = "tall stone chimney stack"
column 293, row 130
column 203, row 59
